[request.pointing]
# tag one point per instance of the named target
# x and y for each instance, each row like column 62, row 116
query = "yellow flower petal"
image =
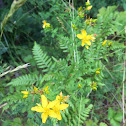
column 52, row 114
column 38, row 105
column 58, row 115
column 84, row 33
column 80, row 9
column 87, row 47
column 62, row 106
column 89, row 8
column 35, row 89
column 44, row 117
column 44, row 22
column 87, row 3
column 88, row 42
column 44, row 101
column 47, row 25
column 94, row 88
column 80, row 36
column 97, row 72
column 109, row 43
column 25, row 96
column 89, row 37
column 52, row 104
column 83, row 43
column 25, row 92
column 46, row 88
column 104, row 43
column 57, row 97
column 37, row 109
column 79, row 86
column 43, row 26
column 93, row 39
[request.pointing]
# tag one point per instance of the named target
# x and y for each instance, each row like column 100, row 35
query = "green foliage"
column 25, row 80
column 114, row 117
column 43, row 61
column 89, row 72
column 77, row 114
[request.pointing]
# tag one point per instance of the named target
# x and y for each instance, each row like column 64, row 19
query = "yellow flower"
column 46, row 25
column 46, row 88
column 25, row 94
column 73, row 26
column 94, row 88
column 45, row 108
column 88, row 22
column 87, row 47
column 93, row 39
column 97, row 72
column 35, row 89
column 94, row 20
column 88, row 3
column 80, row 9
column 104, row 43
column 85, row 38
column 109, row 43
column 89, row 8
column 79, row 85
column 59, row 107
column 62, row 98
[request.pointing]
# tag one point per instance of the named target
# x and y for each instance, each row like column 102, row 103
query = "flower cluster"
column 45, row 24
column 106, row 42
column 98, row 71
column 90, row 21
column 46, row 90
column 51, row 108
column 25, row 94
column 88, row 4
column 94, row 86
column 74, row 26
column 79, row 85
column 35, row 91
column 85, row 38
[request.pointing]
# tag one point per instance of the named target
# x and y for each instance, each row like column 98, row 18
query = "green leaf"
column 90, row 123
column 111, row 113
column 114, row 123
column 118, row 117
column 103, row 124
column 43, row 61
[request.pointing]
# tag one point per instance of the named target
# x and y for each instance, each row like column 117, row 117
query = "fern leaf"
column 43, row 61
column 23, row 80
column 63, row 42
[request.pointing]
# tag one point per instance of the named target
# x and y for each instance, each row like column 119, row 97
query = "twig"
column 16, row 69
column 123, row 93
column 1, row 106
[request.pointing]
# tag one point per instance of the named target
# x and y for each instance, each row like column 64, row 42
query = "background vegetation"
column 57, row 59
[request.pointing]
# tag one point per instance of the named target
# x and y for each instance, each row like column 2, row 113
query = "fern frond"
column 23, row 80
column 10, row 99
column 116, row 45
column 63, row 42
column 43, row 61
column 78, row 113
